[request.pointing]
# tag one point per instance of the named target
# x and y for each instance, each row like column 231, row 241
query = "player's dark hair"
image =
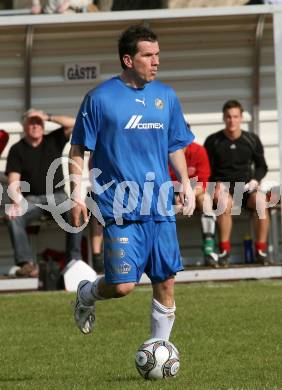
column 232, row 104
column 129, row 39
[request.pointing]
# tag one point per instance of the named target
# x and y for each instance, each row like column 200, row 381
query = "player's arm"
column 260, row 166
column 259, row 161
column 14, row 176
column 67, row 122
column 15, row 194
column 178, row 163
column 186, row 198
column 76, row 163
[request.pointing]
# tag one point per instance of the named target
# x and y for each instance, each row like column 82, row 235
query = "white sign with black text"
column 82, row 73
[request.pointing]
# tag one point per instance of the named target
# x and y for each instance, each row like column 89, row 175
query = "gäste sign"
column 81, row 73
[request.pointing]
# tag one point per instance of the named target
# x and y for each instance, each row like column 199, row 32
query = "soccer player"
column 237, row 156
column 133, row 124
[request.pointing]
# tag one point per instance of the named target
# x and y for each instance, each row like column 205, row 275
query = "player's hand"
column 39, row 113
column 79, row 209
column 14, row 211
column 178, row 203
column 185, row 202
column 251, row 186
column 189, row 201
column 63, row 7
column 36, row 9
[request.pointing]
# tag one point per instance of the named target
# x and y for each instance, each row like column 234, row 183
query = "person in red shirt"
column 4, row 138
column 198, row 166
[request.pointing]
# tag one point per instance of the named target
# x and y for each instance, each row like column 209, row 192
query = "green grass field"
column 229, row 336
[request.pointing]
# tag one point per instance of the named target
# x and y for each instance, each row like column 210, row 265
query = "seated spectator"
column 237, row 156
column 29, row 160
column 199, row 167
column 60, row 6
column 4, row 138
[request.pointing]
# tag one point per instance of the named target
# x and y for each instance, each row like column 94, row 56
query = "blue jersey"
column 131, row 132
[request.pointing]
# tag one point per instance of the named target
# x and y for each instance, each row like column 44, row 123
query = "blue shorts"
column 137, row 247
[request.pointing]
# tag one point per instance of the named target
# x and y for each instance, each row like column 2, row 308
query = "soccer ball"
column 156, row 359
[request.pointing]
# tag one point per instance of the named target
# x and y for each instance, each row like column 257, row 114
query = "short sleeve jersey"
column 132, row 131
column 32, row 163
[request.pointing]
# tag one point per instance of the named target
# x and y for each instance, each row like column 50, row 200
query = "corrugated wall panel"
column 12, row 46
column 57, row 46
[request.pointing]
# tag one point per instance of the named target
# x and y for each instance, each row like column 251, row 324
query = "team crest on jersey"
column 122, row 268
column 159, row 103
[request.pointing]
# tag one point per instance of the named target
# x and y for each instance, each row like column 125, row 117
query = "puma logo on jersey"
column 140, row 101
column 134, row 123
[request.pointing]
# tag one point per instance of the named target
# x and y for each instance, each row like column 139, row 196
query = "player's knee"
column 229, row 206
column 227, row 212
column 121, row 290
column 163, row 292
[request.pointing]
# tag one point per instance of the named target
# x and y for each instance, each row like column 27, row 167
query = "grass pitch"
column 229, row 336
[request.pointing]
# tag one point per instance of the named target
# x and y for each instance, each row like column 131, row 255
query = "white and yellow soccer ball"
column 157, row 359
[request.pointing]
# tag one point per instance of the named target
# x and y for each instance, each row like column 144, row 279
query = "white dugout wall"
column 208, row 55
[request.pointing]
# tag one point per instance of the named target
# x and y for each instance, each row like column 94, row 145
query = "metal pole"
column 256, row 75
column 277, row 25
column 27, row 69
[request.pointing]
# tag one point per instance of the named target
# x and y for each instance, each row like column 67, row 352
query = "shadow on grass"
column 16, row 379
column 123, row 378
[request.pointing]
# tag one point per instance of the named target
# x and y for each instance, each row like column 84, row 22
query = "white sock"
column 162, row 319
column 89, row 292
